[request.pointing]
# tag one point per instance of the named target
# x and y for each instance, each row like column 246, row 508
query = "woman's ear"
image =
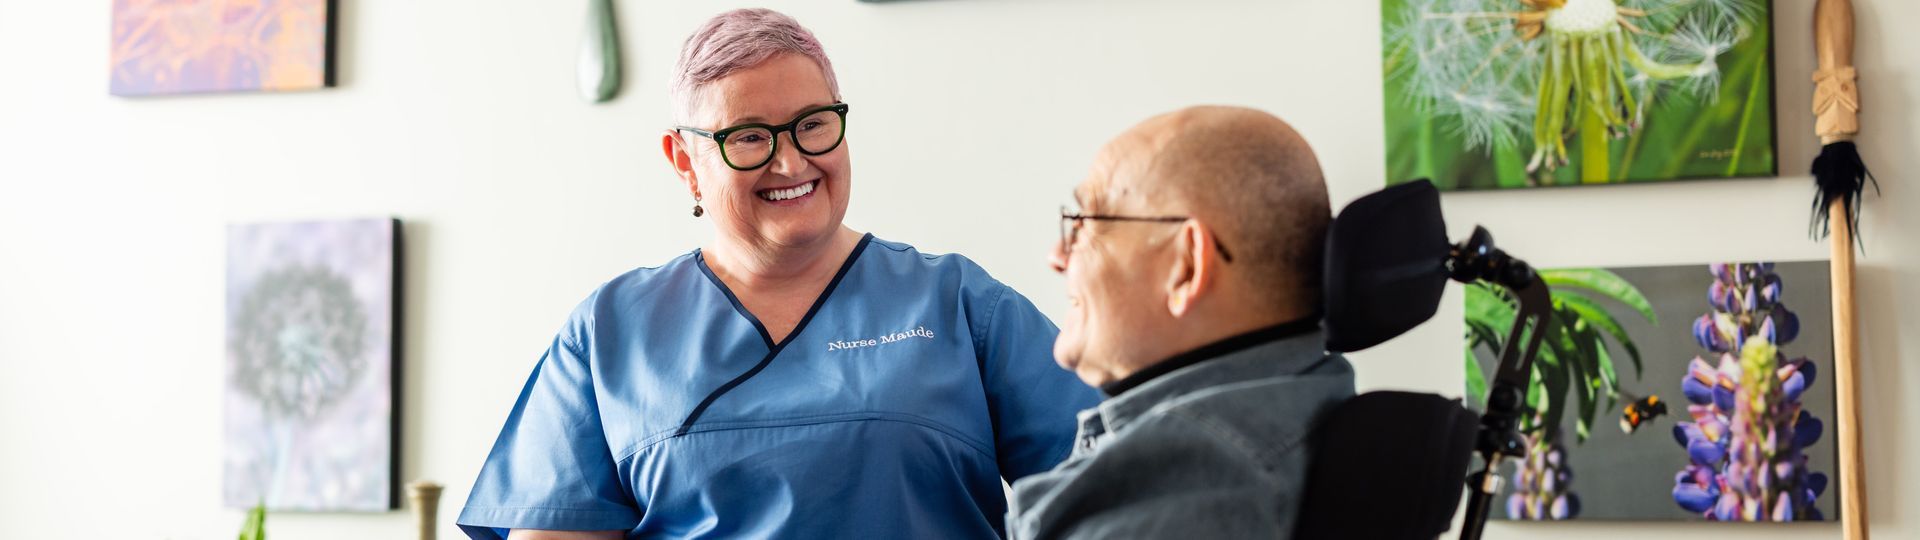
column 675, row 149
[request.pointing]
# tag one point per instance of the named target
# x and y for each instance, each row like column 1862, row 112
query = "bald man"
column 1193, row 271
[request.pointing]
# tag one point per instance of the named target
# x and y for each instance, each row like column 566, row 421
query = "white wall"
column 972, row 119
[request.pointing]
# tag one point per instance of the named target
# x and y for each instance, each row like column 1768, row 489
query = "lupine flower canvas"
column 310, row 350
column 195, row 46
column 1673, row 393
column 1502, row 94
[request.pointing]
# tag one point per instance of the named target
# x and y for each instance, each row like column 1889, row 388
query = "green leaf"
column 1488, row 318
column 1550, row 351
column 255, row 527
column 1572, row 367
column 1552, row 411
column 1604, row 282
column 1476, row 381
column 1583, row 422
column 1754, row 89
column 1481, row 335
column 1587, row 345
column 1606, row 370
column 1578, row 340
column 1536, row 392
column 1485, row 306
column 1597, row 316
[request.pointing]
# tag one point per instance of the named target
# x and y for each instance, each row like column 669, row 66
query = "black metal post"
column 1499, row 437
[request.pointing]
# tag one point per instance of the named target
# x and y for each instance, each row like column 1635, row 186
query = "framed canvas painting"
column 163, row 47
column 1690, row 393
column 311, row 365
column 1512, row 94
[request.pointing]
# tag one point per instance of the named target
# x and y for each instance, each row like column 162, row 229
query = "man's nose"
column 1058, row 259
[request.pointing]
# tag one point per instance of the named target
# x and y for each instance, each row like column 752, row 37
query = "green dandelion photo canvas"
column 1502, row 94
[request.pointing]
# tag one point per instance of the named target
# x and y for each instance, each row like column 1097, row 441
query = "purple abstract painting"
column 195, row 46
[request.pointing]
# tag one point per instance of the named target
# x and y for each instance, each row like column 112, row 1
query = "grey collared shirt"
column 1216, row 449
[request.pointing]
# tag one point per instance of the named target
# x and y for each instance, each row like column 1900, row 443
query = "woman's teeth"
column 794, row 192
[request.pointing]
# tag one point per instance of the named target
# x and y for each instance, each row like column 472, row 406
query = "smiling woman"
column 725, row 392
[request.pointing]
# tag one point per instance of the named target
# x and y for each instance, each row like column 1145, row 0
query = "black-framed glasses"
column 746, row 147
column 1071, row 222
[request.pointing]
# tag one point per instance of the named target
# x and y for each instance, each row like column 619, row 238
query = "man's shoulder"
column 1266, row 419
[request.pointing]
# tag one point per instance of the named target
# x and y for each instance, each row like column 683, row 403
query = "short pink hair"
column 737, row 40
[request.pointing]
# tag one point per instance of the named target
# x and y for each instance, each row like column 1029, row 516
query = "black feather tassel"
column 1840, row 174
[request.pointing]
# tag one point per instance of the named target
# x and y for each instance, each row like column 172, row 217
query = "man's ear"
column 1192, row 274
column 675, row 149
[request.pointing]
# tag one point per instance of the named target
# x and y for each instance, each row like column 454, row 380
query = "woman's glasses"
column 747, row 147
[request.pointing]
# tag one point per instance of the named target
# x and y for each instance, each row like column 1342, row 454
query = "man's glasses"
column 1071, row 222
column 746, row 147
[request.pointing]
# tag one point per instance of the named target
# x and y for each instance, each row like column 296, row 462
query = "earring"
column 697, row 210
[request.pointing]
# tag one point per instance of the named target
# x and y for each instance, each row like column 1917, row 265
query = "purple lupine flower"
column 1543, row 481
column 1770, row 290
column 1721, row 297
column 1784, row 325
column 1745, row 445
column 1699, row 382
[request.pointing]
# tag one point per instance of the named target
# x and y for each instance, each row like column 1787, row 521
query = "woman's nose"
column 787, row 159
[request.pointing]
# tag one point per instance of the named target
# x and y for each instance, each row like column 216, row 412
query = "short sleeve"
column 1033, row 400
column 551, row 468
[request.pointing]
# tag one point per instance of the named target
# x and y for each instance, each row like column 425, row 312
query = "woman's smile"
column 793, row 195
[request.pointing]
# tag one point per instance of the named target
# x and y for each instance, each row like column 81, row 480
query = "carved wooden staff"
column 1842, row 177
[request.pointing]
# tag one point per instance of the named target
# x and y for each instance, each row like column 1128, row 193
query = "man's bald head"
column 1252, row 178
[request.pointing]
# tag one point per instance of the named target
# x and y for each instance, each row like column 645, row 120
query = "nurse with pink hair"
column 792, row 378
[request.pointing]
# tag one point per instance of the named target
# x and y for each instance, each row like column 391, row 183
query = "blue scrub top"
column 911, row 388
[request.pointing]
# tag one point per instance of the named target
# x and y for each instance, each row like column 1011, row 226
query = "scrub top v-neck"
column 663, row 408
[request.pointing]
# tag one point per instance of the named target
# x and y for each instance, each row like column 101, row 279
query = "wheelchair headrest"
column 1385, row 266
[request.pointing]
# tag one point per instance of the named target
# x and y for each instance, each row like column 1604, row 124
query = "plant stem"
column 1746, row 119
column 1510, row 169
column 1632, row 151
column 1593, row 146
column 1423, row 165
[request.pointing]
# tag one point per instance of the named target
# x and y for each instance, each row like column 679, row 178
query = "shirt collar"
column 1216, row 349
column 1283, row 350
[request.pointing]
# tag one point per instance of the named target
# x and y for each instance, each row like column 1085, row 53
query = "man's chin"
column 1091, row 378
column 1070, row 360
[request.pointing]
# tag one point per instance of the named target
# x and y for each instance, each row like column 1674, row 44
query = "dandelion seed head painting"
column 1714, row 379
column 310, row 356
column 1501, row 94
column 197, row 46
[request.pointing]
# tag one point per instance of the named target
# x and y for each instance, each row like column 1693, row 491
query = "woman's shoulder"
column 951, row 272
column 642, row 286
column 648, row 279
column 904, row 256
